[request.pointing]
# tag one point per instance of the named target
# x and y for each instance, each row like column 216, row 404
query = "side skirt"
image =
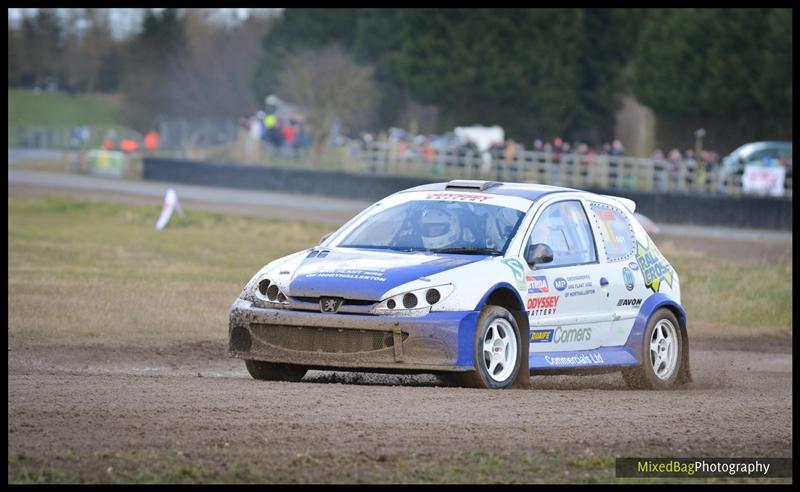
column 602, row 357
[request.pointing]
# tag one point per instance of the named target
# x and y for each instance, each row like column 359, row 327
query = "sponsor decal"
column 578, row 277
column 541, row 336
column 627, row 276
column 592, row 358
column 539, row 306
column 576, row 293
column 351, row 273
column 576, row 285
column 518, row 269
column 464, row 197
column 537, row 284
column 654, row 268
column 605, row 214
column 633, row 266
column 570, row 335
column 629, row 302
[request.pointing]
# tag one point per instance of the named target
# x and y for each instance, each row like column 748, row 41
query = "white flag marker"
column 170, row 204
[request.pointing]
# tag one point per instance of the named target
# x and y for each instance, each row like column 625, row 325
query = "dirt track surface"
column 94, row 403
column 190, row 413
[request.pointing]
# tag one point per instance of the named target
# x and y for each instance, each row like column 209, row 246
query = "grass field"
column 59, row 109
column 224, row 465
column 84, row 272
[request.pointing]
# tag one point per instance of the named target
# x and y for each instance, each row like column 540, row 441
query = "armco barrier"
column 711, row 210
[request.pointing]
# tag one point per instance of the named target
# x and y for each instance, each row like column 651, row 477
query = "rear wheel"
column 661, row 355
column 497, row 353
column 269, row 371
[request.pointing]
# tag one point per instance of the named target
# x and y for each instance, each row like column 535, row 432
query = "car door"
column 567, row 301
column 618, row 249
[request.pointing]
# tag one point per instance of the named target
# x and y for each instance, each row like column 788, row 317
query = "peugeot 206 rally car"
column 479, row 281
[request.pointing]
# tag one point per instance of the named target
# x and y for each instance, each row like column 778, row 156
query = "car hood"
column 366, row 274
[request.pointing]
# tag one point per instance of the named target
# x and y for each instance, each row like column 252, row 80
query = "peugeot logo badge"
column 329, row 304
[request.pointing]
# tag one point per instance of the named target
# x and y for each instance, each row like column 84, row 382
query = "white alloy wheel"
column 662, row 356
column 664, row 349
column 499, row 350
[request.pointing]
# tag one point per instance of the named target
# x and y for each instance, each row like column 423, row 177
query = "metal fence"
column 63, row 137
column 223, row 140
column 571, row 170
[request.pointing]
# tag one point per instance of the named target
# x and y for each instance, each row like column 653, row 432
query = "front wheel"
column 268, row 371
column 662, row 354
column 497, row 353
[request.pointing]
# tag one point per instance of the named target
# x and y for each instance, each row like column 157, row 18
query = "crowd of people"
column 675, row 170
column 287, row 137
column 686, row 168
column 130, row 143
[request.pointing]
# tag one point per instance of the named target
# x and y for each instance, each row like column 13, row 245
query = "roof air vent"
column 470, row 184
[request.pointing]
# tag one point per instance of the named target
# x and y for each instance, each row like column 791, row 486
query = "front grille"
column 329, row 340
column 345, row 302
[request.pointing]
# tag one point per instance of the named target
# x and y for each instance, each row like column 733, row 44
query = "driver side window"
column 565, row 228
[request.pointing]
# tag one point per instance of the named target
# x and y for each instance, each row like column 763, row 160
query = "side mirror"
column 324, row 237
column 538, row 253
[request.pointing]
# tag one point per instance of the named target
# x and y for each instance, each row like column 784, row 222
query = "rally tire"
column 498, row 351
column 661, row 356
column 268, row 371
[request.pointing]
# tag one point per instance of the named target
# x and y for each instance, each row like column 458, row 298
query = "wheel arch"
column 636, row 338
column 506, row 296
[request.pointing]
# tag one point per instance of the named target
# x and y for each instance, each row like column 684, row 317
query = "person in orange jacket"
column 151, row 141
column 128, row 145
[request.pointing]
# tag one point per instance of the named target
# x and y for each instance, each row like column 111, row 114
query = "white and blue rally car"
column 482, row 282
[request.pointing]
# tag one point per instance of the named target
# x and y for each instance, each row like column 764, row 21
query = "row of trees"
column 181, row 64
column 558, row 71
column 76, row 52
column 536, row 72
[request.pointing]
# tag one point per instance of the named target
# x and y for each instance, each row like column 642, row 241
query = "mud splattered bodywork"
column 426, row 343
column 373, row 296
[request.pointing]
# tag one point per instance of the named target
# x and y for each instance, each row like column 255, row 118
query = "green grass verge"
column 723, row 297
column 26, row 107
column 224, row 464
column 88, row 272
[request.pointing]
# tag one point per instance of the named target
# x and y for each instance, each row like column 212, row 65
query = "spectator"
column 659, row 179
column 128, row 145
column 288, row 133
column 511, row 150
column 675, row 167
column 274, row 135
column 617, row 148
column 255, row 130
column 151, row 141
column 108, row 141
column 428, row 153
column 586, row 159
column 690, row 165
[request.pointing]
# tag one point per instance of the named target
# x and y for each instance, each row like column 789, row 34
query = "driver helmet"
column 440, row 228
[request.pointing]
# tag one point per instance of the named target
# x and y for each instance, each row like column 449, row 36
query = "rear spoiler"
column 628, row 203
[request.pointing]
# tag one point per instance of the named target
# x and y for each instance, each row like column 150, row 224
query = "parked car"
column 769, row 153
column 482, row 282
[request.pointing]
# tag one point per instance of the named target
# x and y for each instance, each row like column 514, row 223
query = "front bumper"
column 437, row 341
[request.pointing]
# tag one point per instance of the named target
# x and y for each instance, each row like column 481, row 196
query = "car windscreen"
column 438, row 226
